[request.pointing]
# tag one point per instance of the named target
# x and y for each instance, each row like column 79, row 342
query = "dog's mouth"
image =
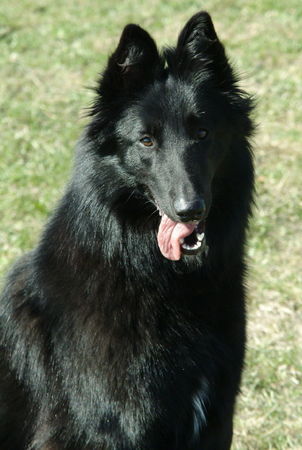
column 194, row 242
column 180, row 238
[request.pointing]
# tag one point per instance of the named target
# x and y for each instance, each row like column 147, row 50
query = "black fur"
column 106, row 344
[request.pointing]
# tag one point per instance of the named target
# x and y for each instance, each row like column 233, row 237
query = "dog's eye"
column 202, row 133
column 147, row 141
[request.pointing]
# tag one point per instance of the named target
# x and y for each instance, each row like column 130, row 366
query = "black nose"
column 190, row 210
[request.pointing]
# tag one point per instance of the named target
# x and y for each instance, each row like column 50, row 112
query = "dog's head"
column 172, row 118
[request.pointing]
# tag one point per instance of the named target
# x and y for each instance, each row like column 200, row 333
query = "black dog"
column 125, row 328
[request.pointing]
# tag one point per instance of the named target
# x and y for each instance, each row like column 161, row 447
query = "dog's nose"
column 190, row 210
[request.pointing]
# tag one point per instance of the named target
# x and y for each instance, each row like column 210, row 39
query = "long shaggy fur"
column 106, row 344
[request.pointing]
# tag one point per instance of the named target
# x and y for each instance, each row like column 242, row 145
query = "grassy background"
column 51, row 50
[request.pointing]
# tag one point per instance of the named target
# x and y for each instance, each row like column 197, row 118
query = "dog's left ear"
column 198, row 48
column 133, row 64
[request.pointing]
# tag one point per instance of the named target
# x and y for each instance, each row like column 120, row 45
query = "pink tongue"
column 169, row 235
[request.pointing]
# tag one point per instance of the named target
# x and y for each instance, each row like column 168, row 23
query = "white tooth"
column 181, row 240
column 200, row 237
column 191, row 247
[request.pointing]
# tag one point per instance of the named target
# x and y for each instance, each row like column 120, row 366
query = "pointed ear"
column 198, row 49
column 133, row 64
column 197, row 32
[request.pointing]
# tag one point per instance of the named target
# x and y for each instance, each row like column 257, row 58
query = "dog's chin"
column 192, row 262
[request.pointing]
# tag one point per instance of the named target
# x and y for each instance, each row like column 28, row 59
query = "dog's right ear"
column 132, row 66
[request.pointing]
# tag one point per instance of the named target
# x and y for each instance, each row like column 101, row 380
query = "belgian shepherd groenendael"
column 125, row 328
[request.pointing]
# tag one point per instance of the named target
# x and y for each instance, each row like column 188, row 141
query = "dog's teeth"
column 181, row 240
column 200, row 236
column 191, row 247
column 186, row 247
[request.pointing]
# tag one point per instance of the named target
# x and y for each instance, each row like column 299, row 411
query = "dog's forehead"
column 170, row 97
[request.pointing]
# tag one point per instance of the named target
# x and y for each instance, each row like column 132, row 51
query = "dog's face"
column 174, row 124
column 172, row 140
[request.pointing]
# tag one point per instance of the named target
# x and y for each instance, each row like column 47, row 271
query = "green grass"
column 49, row 52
